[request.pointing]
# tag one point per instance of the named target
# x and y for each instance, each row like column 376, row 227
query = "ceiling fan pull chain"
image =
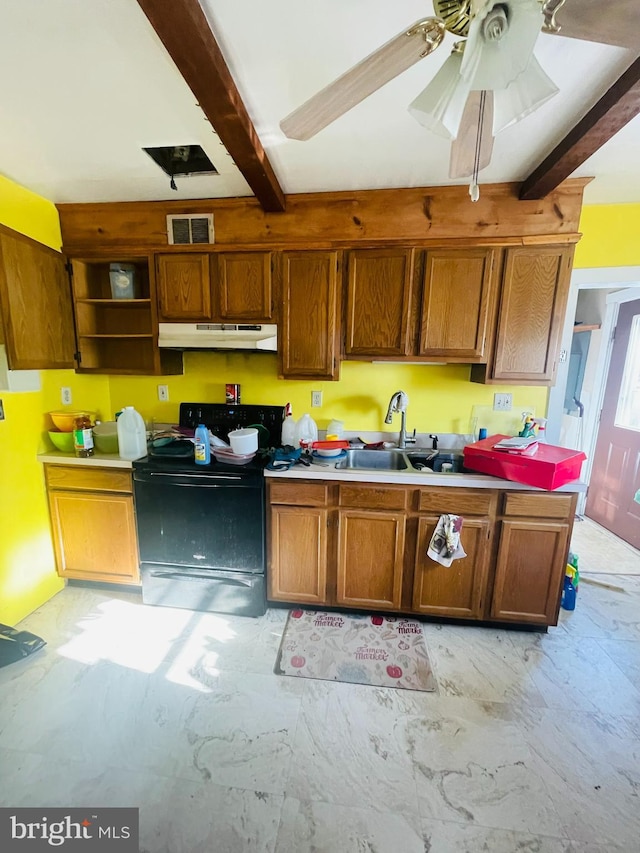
column 474, row 189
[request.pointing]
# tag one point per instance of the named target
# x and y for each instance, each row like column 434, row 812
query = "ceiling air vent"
column 183, row 229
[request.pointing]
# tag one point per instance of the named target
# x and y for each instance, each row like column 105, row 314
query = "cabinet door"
column 298, row 554
column 35, row 301
column 533, row 302
column 184, row 287
column 370, row 559
column 458, row 590
column 244, row 286
column 379, row 302
column 94, row 536
column 529, row 571
column 457, row 303
column 310, row 321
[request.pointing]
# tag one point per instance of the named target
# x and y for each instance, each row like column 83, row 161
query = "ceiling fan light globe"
column 440, row 106
column 493, row 63
column 529, row 91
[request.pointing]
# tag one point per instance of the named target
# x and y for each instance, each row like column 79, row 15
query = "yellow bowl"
column 64, row 420
column 62, row 440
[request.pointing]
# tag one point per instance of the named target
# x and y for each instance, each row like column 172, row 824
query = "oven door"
column 240, row 593
column 203, row 520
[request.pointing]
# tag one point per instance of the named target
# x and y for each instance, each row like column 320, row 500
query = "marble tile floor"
column 601, row 551
column 532, row 742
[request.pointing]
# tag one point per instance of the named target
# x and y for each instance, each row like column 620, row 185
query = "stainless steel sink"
column 453, row 461
column 374, row 460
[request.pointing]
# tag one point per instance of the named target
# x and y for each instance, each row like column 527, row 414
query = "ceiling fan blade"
column 464, row 147
column 616, row 22
column 365, row 78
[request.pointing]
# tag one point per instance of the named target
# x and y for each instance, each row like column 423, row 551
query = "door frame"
column 598, row 278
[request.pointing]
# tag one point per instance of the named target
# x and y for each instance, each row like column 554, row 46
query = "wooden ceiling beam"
column 613, row 111
column 184, row 30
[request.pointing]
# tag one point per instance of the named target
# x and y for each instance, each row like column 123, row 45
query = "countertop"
column 418, row 478
column 98, row 460
column 330, row 472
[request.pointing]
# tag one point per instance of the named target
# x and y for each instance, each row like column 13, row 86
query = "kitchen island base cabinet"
column 458, row 589
column 93, row 523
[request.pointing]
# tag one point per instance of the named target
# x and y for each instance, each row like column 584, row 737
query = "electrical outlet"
column 65, row 396
column 316, row 398
column 163, row 393
column 1, row 411
column 502, row 402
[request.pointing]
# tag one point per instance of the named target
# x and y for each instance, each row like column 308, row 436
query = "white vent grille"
column 182, row 229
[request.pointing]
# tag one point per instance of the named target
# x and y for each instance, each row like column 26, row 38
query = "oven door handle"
column 185, row 575
column 200, row 480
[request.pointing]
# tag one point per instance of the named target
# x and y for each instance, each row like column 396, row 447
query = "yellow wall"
column 609, row 236
column 440, row 398
column 27, row 569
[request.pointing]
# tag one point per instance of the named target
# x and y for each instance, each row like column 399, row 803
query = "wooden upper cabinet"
column 310, row 314
column 533, row 302
column 379, row 302
column 36, row 305
column 243, row 284
column 184, row 287
column 458, row 299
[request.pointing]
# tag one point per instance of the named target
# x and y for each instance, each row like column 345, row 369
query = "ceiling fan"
column 490, row 80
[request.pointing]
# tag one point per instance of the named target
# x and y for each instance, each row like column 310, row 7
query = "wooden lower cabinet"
column 370, row 559
column 530, row 571
column 298, row 554
column 363, row 546
column 457, row 590
column 93, row 523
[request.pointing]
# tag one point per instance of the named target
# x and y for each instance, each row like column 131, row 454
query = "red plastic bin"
column 548, row 468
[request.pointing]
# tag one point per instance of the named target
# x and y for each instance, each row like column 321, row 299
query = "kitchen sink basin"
column 435, row 461
column 374, row 460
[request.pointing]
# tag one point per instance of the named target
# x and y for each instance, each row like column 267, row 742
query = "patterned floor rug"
column 388, row 651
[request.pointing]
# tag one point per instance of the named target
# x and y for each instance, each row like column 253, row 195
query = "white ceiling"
column 87, row 84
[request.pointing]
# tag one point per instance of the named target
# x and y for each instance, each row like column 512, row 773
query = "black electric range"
column 201, row 528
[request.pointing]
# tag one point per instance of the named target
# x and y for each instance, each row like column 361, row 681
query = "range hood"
column 229, row 336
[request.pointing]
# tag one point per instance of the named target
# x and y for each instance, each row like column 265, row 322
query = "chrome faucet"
column 398, row 403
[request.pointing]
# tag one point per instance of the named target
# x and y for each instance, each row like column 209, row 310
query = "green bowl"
column 61, row 440
column 105, row 437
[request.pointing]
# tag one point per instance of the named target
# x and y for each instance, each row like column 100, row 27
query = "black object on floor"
column 15, row 645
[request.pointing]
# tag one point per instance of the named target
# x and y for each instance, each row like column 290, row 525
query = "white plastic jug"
column 306, row 431
column 132, row 434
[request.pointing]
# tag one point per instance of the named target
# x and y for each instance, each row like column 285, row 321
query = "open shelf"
column 118, row 335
